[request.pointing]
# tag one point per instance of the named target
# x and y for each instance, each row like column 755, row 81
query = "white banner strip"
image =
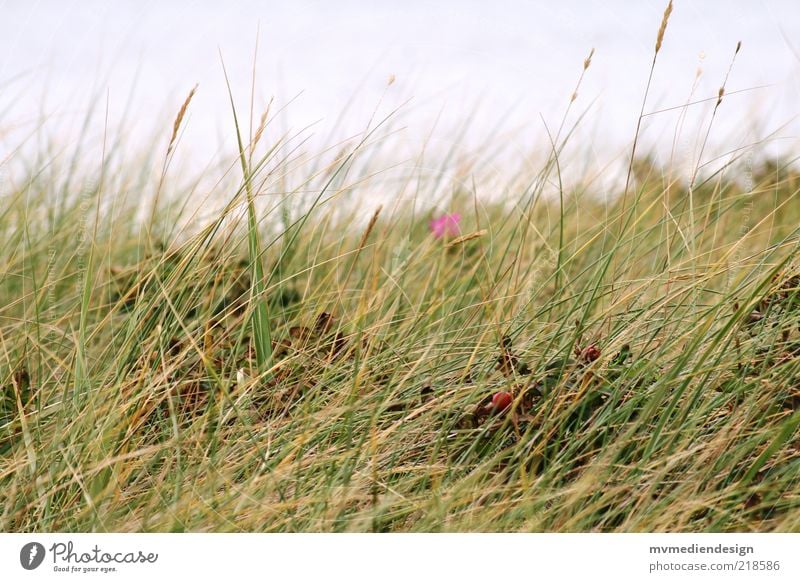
column 356, row 557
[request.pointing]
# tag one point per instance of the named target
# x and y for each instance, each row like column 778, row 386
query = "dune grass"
column 651, row 346
column 295, row 349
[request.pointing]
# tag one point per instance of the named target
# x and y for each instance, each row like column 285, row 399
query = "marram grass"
column 532, row 360
column 650, row 347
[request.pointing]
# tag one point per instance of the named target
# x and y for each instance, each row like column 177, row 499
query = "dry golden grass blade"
column 467, row 237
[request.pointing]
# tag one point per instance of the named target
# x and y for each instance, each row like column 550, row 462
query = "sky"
column 506, row 65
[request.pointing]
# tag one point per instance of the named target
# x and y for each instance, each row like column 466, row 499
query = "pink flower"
column 446, row 225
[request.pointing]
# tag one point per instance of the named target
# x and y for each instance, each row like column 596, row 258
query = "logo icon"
column 31, row 555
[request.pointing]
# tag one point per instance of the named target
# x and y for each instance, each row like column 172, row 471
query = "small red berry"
column 590, row 354
column 501, row 401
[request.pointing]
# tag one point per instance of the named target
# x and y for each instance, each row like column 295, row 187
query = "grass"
column 286, row 363
column 661, row 395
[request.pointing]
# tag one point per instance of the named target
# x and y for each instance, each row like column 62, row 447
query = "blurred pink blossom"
column 446, row 225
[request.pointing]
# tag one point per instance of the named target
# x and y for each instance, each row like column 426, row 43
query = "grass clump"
column 657, row 395
column 296, row 353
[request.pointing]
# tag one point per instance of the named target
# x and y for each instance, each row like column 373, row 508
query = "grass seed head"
column 663, row 28
column 179, row 118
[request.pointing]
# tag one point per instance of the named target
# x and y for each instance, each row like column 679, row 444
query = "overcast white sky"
column 520, row 60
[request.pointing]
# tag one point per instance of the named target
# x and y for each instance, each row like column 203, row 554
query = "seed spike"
column 663, row 28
